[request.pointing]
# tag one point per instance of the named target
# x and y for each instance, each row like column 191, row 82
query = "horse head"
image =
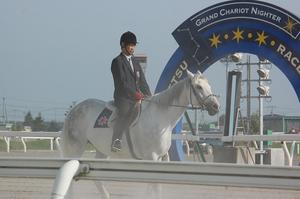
column 201, row 93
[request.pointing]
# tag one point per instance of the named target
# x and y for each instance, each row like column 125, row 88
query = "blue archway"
column 254, row 27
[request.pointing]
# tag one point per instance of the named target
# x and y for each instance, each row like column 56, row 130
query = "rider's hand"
column 138, row 96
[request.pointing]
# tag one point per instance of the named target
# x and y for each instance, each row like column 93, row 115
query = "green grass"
column 279, row 145
column 16, row 144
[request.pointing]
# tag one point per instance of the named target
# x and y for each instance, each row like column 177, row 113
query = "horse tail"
column 73, row 136
column 65, row 145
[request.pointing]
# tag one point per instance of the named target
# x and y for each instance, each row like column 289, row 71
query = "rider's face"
column 129, row 49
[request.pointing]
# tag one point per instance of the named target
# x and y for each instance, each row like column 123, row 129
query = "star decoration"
column 238, row 35
column 261, row 38
column 290, row 25
column 215, row 40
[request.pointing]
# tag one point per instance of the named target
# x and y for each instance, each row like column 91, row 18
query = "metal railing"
column 53, row 137
column 283, row 138
column 232, row 175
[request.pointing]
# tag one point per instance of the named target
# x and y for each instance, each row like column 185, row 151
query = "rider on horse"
column 130, row 87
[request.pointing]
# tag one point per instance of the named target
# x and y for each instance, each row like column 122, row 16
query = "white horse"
column 150, row 133
column 149, row 137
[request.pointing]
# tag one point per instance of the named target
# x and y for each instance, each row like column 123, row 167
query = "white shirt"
column 130, row 61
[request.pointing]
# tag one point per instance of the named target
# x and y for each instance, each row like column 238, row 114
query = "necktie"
column 131, row 65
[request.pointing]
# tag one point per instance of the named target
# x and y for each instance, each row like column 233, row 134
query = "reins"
column 192, row 107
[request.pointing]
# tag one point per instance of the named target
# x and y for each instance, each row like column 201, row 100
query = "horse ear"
column 199, row 72
column 189, row 74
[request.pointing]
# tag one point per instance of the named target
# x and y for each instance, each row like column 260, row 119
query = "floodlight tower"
column 232, row 58
column 263, row 91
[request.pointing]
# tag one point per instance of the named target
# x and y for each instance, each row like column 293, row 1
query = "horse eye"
column 199, row 87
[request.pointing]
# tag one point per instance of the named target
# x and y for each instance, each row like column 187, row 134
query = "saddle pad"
column 103, row 118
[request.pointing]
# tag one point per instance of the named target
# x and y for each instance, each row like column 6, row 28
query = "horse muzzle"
column 213, row 107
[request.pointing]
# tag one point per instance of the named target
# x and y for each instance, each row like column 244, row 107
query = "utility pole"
column 248, row 81
column 263, row 91
column 248, row 96
column 261, row 118
column 4, row 112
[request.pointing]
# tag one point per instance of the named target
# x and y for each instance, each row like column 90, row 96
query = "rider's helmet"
column 128, row 38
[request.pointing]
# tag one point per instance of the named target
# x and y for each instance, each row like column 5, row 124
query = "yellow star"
column 290, row 25
column 261, row 38
column 215, row 40
column 238, row 35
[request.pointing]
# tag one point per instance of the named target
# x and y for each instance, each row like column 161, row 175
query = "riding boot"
column 116, row 145
column 117, row 137
column 125, row 116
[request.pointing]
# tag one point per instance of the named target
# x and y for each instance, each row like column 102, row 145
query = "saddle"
column 108, row 116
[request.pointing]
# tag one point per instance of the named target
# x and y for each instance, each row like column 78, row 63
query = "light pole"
column 232, row 58
column 263, row 90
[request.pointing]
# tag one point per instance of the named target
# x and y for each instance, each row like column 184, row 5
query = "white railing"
column 283, row 138
column 218, row 135
column 53, row 137
column 152, row 172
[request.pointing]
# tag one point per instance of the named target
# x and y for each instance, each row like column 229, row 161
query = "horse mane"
column 170, row 96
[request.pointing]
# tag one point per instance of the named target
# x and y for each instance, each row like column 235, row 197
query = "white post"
column 292, row 152
column 24, row 144
column 187, row 148
column 196, row 122
column 7, row 141
column 64, row 178
column 261, row 122
column 51, row 144
column 287, row 154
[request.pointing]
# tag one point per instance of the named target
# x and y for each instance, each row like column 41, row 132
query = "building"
column 142, row 59
column 281, row 123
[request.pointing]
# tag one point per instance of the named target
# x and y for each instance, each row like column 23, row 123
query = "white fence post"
column 64, row 179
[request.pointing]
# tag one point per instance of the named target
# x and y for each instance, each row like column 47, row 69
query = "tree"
column 222, row 120
column 17, row 127
column 38, row 123
column 254, row 125
column 28, row 120
column 204, row 127
column 54, row 126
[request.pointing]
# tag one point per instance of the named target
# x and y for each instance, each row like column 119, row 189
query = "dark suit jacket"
column 127, row 82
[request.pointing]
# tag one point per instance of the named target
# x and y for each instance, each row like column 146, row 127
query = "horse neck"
column 173, row 102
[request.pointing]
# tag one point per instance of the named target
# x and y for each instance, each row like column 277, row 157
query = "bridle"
column 199, row 99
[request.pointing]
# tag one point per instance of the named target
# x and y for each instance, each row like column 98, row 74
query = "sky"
column 56, row 53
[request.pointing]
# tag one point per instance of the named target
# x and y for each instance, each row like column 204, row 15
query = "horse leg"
column 74, row 140
column 166, row 158
column 73, row 149
column 102, row 189
column 154, row 189
column 100, row 155
column 100, row 185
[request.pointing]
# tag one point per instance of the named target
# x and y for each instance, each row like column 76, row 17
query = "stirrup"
column 116, row 145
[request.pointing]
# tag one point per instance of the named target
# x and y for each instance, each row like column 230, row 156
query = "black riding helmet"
column 128, row 38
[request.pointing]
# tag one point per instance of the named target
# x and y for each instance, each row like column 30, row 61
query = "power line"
column 37, row 101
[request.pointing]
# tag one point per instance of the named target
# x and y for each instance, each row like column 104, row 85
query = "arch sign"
column 254, row 27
